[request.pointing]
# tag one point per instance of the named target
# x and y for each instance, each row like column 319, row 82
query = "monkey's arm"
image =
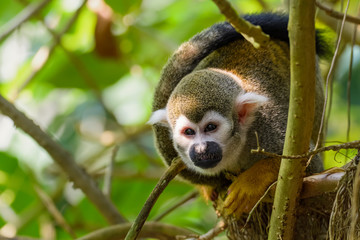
column 250, row 185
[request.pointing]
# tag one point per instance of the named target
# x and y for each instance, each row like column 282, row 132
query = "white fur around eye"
column 223, row 127
column 182, row 123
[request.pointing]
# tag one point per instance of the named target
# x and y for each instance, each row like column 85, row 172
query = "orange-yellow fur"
column 250, row 186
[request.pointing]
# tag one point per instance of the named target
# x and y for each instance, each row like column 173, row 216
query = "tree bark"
column 300, row 120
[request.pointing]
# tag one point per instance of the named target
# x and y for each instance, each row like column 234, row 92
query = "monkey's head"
column 208, row 115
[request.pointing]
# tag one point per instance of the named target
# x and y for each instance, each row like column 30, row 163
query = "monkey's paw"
column 242, row 196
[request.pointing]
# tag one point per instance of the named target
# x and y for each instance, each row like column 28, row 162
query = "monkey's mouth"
column 208, row 157
column 207, row 162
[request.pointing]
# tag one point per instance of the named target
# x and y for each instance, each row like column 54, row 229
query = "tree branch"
column 219, row 228
column 65, row 160
column 22, row 17
column 180, row 202
column 109, row 172
column 157, row 230
column 52, row 209
column 348, row 145
column 251, row 33
column 300, row 118
column 319, row 184
column 176, row 167
column 18, row 238
column 335, row 14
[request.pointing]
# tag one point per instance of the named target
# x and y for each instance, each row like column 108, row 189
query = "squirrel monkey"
column 215, row 92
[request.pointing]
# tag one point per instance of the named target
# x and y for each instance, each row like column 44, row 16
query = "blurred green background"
column 86, row 74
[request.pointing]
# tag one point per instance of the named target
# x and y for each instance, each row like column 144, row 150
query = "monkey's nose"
column 200, row 148
column 206, row 155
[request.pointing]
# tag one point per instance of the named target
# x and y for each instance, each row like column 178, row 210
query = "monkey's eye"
column 189, row 132
column 210, row 127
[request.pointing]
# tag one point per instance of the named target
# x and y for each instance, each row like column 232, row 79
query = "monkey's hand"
column 249, row 187
column 209, row 193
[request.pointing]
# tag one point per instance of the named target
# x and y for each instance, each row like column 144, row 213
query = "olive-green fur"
column 190, row 85
column 203, row 91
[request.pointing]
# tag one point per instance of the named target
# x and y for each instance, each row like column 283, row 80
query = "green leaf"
column 124, row 7
column 90, row 71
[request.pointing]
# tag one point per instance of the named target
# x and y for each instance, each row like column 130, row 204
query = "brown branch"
column 314, row 185
column 211, row 234
column 219, row 228
column 176, row 167
column 65, row 160
column 52, row 209
column 333, row 23
column 319, row 184
column 348, row 145
column 335, row 14
column 18, row 238
column 22, row 17
column 251, row 33
column 180, row 202
column 156, row 230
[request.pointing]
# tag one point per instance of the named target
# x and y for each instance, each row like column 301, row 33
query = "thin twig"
column 176, row 167
column 179, row 203
column 329, row 76
column 338, row 15
column 251, row 33
column 65, row 160
column 348, row 90
column 50, row 206
column 22, row 17
column 348, row 145
column 36, row 209
column 109, row 172
column 258, row 202
column 219, row 228
column 356, row 183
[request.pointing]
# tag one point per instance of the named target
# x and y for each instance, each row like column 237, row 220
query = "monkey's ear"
column 246, row 106
column 159, row 117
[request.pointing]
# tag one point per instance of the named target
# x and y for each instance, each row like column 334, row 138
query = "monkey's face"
column 208, row 114
column 209, row 141
column 201, row 145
